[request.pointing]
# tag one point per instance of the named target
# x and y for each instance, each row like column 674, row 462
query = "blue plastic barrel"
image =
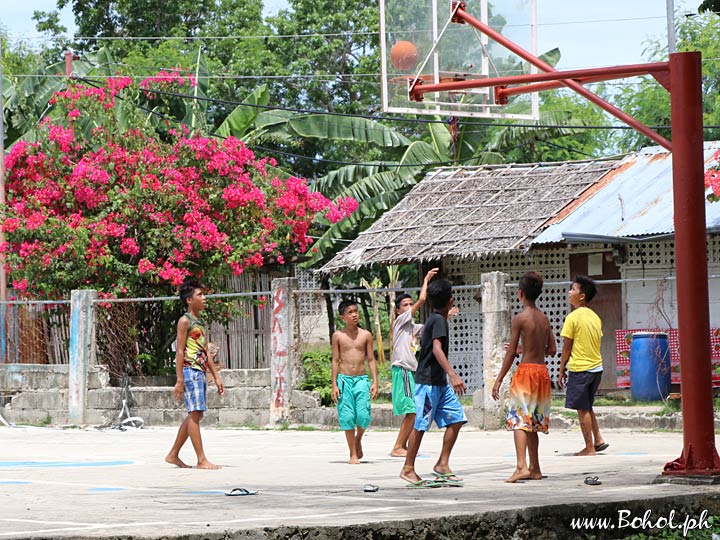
column 649, row 366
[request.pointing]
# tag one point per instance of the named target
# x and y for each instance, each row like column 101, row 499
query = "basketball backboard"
column 419, row 41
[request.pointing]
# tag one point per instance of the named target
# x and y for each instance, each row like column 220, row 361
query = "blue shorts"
column 195, row 389
column 581, row 389
column 354, row 404
column 437, row 403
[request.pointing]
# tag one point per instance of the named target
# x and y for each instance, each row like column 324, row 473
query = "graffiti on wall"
column 280, row 344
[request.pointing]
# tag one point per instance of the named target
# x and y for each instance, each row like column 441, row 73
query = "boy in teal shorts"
column 351, row 389
column 404, row 362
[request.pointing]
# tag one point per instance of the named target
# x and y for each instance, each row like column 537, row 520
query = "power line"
column 300, row 156
column 304, row 35
column 399, row 119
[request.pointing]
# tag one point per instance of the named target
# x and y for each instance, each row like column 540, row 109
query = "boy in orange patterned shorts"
column 530, row 388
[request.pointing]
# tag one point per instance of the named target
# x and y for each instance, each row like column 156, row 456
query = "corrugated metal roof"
column 634, row 200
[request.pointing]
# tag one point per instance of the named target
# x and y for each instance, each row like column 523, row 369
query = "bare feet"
column 519, row 474
column 354, row 460
column 399, row 452
column 586, row 452
column 175, row 460
column 207, row 465
column 409, row 475
column 358, row 449
column 535, row 475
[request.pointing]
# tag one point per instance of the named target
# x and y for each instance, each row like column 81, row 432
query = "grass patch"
column 604, row 401
column 567, row 413
column 303, row 427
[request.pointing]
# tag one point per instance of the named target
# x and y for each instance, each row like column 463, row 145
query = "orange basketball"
column 404, row 55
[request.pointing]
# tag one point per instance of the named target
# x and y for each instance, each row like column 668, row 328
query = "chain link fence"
column 36, row 332
column 137, row 337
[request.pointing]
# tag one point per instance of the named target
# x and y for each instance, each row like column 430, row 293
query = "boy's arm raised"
column 509, row 356
column 370, row 353
column 335, row 366
column 455, row 381
column 423, row 292
column 182, row 331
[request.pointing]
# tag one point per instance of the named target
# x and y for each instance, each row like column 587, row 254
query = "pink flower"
column 129, row 246
column 21, row 285
column 145, row 266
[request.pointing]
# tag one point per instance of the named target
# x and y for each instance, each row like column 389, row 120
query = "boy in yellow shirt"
column 581, row 333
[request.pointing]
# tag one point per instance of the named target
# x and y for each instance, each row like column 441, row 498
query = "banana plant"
column 27, row 101
column 372, row 287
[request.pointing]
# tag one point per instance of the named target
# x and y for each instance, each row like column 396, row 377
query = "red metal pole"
column 68, row 63
column 587, row 94
column 562, row 78
column 502, row 93
column 699, row 456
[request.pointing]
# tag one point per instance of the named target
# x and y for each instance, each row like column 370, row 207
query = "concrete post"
column 496, row 332
column 282, row 348
column 82, row 321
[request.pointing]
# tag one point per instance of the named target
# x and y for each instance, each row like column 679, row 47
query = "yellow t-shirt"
column 584, row 327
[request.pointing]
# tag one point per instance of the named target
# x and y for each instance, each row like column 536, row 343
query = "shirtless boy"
column 530, row 389
column 351, row 390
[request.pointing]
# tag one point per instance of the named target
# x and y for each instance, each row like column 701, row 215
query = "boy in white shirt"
column 404, row 363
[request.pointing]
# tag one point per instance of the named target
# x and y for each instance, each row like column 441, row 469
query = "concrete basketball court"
column 112, row 484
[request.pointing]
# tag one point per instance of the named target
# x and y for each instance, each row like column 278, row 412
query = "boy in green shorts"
column 404, row 363
column 351, row 389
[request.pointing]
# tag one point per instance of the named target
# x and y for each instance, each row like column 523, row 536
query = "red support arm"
column 564, row 78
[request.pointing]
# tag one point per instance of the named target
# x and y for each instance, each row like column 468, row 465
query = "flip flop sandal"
column 449, row 479
column 370, row 488
column 592, row 481
column 425, row 484
column 240, row 492
column 601, row 447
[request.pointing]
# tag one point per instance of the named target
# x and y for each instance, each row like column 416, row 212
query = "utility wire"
column 323, row 160
column 395, row 118
column 308, row 35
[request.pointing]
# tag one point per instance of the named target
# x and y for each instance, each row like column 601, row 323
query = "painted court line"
column 92, row 486
column 89, row 527
column 60, row 464
column 74, row 528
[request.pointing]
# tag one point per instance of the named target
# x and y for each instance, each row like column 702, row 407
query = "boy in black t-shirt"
column 434, row 398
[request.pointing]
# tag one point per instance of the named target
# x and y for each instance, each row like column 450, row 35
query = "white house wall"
column 466, row 329
column 653, row 303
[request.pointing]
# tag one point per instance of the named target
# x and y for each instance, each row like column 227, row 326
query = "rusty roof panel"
column 634, row 200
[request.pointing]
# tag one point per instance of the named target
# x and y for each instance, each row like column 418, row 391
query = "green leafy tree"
column 649, row 102
column 710, row 5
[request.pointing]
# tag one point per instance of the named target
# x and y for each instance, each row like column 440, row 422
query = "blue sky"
column 589, row 33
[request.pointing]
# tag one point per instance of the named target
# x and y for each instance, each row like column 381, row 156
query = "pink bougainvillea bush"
column 102, row 201
column 712, row 179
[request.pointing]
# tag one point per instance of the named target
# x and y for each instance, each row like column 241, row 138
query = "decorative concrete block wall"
column 32, row 393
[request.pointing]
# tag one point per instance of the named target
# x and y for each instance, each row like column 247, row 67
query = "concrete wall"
column 32, row 393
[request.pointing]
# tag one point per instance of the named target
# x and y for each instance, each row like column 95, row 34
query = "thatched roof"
column 470, row 212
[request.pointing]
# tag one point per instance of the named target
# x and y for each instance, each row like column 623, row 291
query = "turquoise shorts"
column 354, row 404
column 403, row 391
